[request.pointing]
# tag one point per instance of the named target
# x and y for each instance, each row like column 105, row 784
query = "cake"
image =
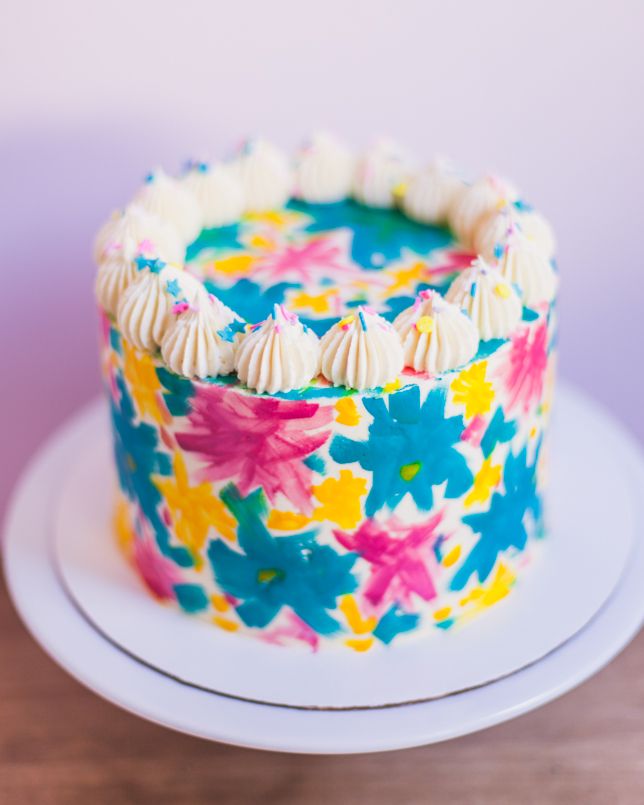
column 330, row 380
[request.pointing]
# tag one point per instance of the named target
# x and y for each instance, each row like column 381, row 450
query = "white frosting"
column 116, row 272
column 173, row 203
column 489, row 300
column 265, row 176
column 525, row 265
column 431, row 192
column 144, row 309
column 484, row 196
column 491, row 232
column 133, row 226
column 538, row 230
column 218, row 192
column 436, row 335
column 324, row 170
column 191, row 345
column 378, row 173
column 361, row 351
column 278, row 355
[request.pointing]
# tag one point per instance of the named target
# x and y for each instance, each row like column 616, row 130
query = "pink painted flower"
column 528, row 361
column 400, row 557
column 158, row 572
column 257, row 441
column 293, row 628
column 304, row 262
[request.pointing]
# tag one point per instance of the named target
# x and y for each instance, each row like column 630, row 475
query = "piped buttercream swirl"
column 436, row 335
column 431, row 192
column 265, row 176
column 126, row 229
column 192, row 345
column 489, row 300
column 361, row 351
column 324, row 170
column 218, row 192
column 525, row 265
column 167, row 197
column 486, row 195
column 279, row 354
column 145, row 308
column 491, row 232
column 379, row 171
column 539, row 231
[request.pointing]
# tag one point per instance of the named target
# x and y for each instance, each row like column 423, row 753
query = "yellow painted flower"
column 347, row 411
column 286, row 521
column 408, row 278
column 141, row 376
column 340, row 499
column 318, row 303
column 194, row 509
column 233, row 265
column 279, row 219
column 484, row 482
column 122, row 526
column 357, row 623
column 389, row 388
column 472, row 390
column 483, row 597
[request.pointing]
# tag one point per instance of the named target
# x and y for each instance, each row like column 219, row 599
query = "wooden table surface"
column 59, row 743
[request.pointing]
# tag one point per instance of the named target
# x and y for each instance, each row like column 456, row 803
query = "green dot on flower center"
column 409, row 471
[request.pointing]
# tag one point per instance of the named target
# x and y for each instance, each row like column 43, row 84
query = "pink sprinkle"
column 146, row 247
column 180, row 307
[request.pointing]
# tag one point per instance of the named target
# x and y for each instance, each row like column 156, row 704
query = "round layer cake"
column 330, row 381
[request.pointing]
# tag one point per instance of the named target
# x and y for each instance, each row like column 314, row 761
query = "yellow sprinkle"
column 219, row 603
column 452, row 557
column 533, row 432
column 346, row 321
column 399, row 191
column 502, row 290
column 286, row 521
column 425, row 324
column 442, row 614
column 359, row 643
column 225, row 624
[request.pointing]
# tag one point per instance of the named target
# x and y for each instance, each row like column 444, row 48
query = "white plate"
column 70, row 640
column 574, row 575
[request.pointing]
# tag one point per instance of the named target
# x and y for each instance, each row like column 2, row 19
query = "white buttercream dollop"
column 379, row 171
column 436, row 335
column 218, row 192
column 489, row 300
column 192, row 345
column 116, row 272
column 537, row 228
column 145, row 308
column 265, row 176
column 431, row 193
column 491, row 232
column 133, row 226
column 324, row 170
column 523, row 264
column 486, row 195
column 279, row 354
column 167, row 197
column 361, row 351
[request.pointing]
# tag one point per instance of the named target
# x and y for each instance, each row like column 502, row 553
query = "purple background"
column 91, row 96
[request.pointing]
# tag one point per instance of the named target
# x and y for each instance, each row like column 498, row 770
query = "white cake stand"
column 57, row 623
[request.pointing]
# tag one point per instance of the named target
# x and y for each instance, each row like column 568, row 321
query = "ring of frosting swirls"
column 168, row 198
column 324, row 170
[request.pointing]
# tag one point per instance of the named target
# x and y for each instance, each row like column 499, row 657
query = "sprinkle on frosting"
column 172, row 202
column 491, row 232
column 361, row 351
column 264, row 174
column 145, row 308
column 324, row 170
column 485, row 295
column 125, row 230
column 119, row 270
column 523, row 264
column 278, row 354
column 477, row 200
column 378, row 173
column 431, row 192
column 217, row 191
column 538, row 230
column 436, row 335
column 192, row 346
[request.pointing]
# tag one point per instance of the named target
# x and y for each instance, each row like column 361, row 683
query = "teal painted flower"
column 410, row 449
column 269, row 573
column 503, row 526
column 378, row 236
column 137, row 460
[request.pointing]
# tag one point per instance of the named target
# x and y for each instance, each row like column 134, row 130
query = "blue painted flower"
column 221, row 239
column 503, row 525
column 249, row 300
column 379, row 236
column 410, row 449
column 137, row 460
column 274, row 572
